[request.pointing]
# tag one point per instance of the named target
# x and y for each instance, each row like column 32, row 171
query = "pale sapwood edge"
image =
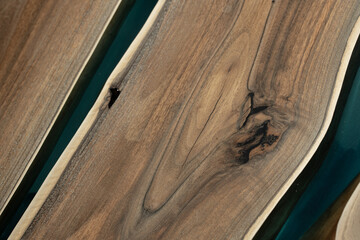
column 325, row 226
column 61, row 107
column 65, row 157
column 326, row 123
column 348, row 226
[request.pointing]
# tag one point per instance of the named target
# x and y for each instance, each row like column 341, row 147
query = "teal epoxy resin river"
column 126, row 34
column 128, row 31
column 341, row 166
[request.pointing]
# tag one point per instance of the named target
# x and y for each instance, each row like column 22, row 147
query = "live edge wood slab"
column 221, row 105
column 44, row 49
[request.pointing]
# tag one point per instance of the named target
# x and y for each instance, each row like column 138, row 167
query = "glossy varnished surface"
column 44, row 46
column 215, row 119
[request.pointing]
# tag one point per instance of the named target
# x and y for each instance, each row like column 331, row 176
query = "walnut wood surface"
column 222, row 104
column 44, row 46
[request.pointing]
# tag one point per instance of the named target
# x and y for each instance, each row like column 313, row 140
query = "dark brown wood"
column 222, row 104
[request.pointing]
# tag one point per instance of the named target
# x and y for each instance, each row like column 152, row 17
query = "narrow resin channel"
column 332, row 168
column 130, row 27
column 340, row 167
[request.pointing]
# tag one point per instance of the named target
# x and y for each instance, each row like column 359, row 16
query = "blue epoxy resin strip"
column 132, row 24
column 340, row 167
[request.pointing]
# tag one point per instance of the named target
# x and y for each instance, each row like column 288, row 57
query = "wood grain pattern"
column 44, row 47
column 222, row 104
column 348, row 227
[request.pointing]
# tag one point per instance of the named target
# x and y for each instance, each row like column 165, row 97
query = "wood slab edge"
column 59, row 167
column 347, row 227
column 326, row 123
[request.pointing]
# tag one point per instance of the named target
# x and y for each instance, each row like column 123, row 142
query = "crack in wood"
column 259, row 135
column 114, row 94
column 252, row 109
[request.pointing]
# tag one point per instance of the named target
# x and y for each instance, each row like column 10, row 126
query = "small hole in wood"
column 114, row 94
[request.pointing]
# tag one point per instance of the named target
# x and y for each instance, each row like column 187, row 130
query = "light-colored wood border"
column 347, row 227
column 326, row 123
column 65, row 157
column 60, row 109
